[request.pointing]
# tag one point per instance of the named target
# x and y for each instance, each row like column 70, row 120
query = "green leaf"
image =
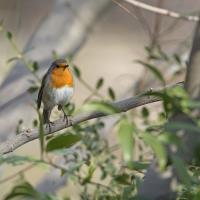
column 62, row 141
column 13, row 59
column 77, row 71
column 145, row 112
column 41, row 133
column 17, row 159
column 99, row 83
column 197, row 195
column 1, row 25
column 126, row 139
column 157, row 147
column 181, row 171
column 55, row 55
column 35, row 66
column 111, row 93
column 99, row 106
column 177, row 58
column 19, row 126
column 35, row 123
column 90, row 173
column 176, row 126
column 69, row 58
column 162, row 54
column 136, row 165
column 193, row 104
column 9, row 35
column 23, row 191
column 69, row 108
column 32, row 89
column 123, row 179
column 170, row 138
column 154, row 70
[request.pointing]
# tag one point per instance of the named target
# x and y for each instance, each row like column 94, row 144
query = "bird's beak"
column 66, row 66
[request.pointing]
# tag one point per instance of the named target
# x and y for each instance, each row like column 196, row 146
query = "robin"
column 56, row 90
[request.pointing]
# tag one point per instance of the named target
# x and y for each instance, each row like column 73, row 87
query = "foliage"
column 90, row 162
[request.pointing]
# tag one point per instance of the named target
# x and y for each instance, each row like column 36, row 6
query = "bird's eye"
column 57, row 66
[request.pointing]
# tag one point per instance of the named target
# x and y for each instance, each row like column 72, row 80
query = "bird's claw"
column 68, row 120
column 49, row 125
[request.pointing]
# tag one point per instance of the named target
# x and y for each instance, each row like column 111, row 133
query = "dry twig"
column 162, row 11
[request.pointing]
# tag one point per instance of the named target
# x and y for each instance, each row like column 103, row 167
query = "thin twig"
column 124, row 8
column 137, row 16
column 8, row 178
column 162, row 11
column 95, row 92
column 32, row 134
column 56, row 166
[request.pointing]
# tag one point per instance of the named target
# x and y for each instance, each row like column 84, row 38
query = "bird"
column 57, row 89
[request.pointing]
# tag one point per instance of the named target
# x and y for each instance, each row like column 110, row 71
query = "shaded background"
column 104, row 40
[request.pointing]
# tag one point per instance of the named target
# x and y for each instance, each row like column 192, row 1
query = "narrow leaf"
column 123, row 179
column 13, row 59
column 9, row 35
column 90, row 173
column 145, row 112
column 23, row 191
column 126, row 140
column 62, row 141
column 77, row 71
column 197, row 195
column 99, row 83
column 99, row 106
column 111, row 93
column 138, row 165
column 157, row 148
column 176, row 126
column 181, row 171
column 15, row 159
column 35, row 66
column 153, row 69
column 177, row 59
column 41, row 133
column 55, row 54
column 33, row 89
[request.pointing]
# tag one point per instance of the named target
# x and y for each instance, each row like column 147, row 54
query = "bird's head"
column 59, row 66
column 60, row 74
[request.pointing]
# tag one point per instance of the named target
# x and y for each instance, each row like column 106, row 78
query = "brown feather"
column 39, row 99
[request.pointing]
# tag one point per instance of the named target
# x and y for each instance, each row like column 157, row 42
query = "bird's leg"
column 66, row 117
column 49, row 125
column 46, row 116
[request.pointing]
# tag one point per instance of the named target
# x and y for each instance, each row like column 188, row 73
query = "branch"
column 162, row 11
column 192, row 82
column 32, row 134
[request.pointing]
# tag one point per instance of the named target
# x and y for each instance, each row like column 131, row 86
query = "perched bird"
column 56, row 89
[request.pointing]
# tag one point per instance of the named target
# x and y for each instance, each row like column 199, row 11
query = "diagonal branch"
column 32, row 134
column 162, row 11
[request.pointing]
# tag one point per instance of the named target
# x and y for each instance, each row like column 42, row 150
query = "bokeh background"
column 104, row 40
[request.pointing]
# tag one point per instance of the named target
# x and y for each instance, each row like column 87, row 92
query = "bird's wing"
column 39, row 99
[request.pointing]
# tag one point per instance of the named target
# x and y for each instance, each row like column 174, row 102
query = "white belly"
column 58, row 96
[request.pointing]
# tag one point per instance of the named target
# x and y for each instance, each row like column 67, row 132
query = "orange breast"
column 61, row 77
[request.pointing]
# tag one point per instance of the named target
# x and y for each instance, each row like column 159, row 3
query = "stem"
column 81, row 179
column 91, row 89
column 17, row 173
